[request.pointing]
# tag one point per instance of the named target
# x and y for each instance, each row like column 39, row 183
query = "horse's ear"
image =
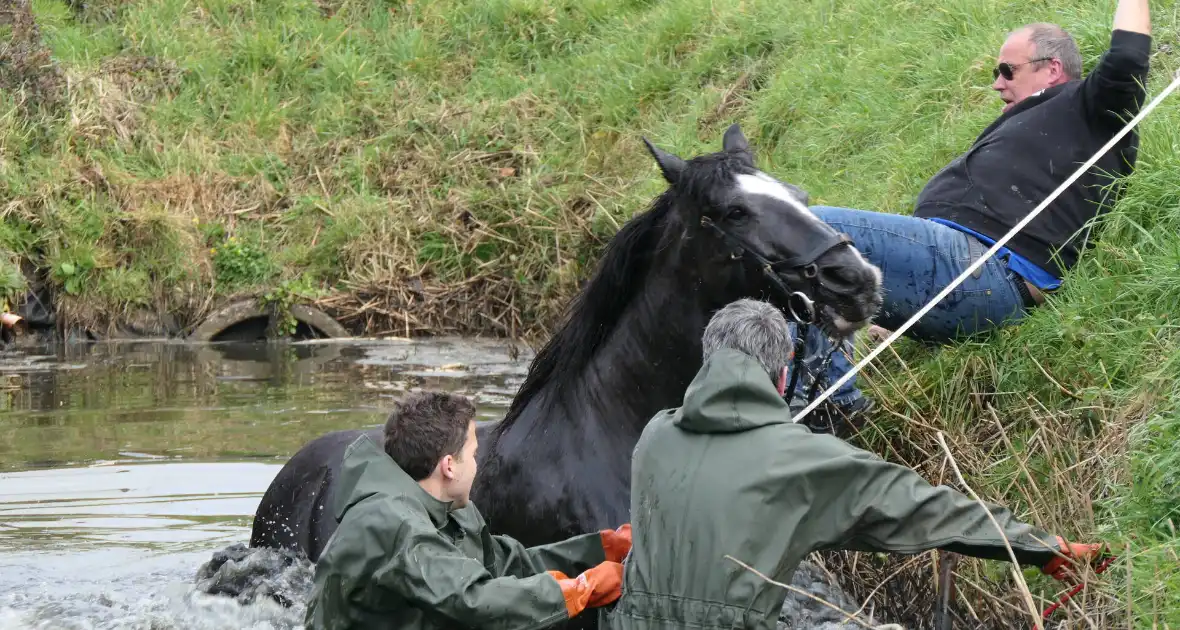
column 735, row 141
column 670, row 165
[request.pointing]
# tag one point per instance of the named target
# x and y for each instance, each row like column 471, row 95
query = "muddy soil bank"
column 37, row 319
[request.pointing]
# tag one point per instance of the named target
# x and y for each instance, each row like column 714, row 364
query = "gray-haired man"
column 728, row 473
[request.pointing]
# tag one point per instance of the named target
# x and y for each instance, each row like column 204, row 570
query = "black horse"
column 559, row 463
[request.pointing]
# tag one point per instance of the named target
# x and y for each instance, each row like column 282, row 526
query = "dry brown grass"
column 27, row 69
column 447, row 248
column 107, row 104
column 406, row 306
column 201, row 197
column 1046, row 464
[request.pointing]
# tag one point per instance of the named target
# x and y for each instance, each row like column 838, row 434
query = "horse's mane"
column 595, row 311
column 622, row 271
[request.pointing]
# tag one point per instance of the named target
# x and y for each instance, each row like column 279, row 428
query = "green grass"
column 181, row 152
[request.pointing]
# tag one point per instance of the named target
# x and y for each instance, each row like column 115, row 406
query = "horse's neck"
column 650, row 357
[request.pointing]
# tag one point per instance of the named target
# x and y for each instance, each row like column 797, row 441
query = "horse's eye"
column 736, row 213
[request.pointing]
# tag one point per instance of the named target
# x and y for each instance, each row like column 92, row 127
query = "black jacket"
column 1022, row 157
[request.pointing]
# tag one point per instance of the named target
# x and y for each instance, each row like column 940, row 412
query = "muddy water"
column 123, row 467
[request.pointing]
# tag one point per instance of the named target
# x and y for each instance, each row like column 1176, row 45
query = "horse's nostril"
column 840, row 277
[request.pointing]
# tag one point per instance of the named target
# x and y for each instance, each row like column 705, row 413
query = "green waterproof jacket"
column 402, row 559
column 728, row 473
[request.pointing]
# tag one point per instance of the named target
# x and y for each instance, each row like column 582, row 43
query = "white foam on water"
column 118, row 545
column 173, row 605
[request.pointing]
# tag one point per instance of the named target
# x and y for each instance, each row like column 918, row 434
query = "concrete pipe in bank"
column 251, row 320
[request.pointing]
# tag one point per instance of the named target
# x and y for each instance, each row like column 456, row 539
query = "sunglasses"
column 1006, row 68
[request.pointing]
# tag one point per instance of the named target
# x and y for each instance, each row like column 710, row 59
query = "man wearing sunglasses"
column 1053, row 119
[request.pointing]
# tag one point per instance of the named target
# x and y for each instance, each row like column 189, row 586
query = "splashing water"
column 251, row 575
column 156, row 600
column 117, row 545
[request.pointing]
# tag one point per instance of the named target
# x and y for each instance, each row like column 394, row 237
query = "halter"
column 800, row 306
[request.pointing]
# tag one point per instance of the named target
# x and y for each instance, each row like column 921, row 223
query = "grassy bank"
column 456, row 166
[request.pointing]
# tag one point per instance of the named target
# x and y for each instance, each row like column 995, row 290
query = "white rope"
column 991, row 252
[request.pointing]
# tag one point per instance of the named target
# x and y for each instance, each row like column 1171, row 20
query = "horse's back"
column 542, row 487
column 296, row 510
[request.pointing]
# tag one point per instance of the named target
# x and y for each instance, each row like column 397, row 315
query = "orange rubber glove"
column 1060, row 568
column 607, row 583
column 597, row 586
column 616, row 542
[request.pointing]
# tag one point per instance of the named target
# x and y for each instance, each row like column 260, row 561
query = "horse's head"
column 746, row 233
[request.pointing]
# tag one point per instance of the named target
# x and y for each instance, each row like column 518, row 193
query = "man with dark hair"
column 1052, row 121
column 416, row 445
column 728, row 473
column 411, row 552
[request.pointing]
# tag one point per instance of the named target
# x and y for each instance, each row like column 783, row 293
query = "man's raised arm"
column 1115, row 90
column 1132, row 15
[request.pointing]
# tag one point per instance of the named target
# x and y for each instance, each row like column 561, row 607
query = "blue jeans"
column 918, row 259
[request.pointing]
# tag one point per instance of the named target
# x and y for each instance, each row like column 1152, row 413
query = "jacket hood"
column 731, row 393
column 369, row 471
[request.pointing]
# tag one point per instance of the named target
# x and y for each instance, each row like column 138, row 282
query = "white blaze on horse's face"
column 762, row 184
